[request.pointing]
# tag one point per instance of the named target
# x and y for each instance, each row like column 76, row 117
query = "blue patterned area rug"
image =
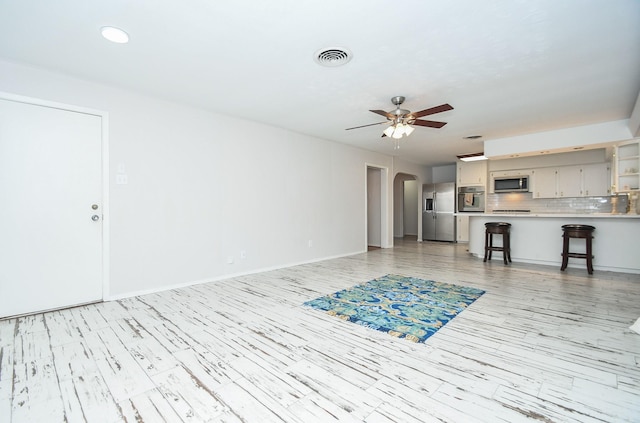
column 402, row 306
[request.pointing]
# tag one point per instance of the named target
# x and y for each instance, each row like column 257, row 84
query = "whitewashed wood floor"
column 540, row 345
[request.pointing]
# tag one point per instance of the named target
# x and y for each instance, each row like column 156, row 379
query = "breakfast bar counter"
column 537, row 238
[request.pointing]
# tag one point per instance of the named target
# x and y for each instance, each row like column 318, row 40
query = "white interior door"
column 50, row 208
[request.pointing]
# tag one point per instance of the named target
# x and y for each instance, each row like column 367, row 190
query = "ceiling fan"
column 399, row 120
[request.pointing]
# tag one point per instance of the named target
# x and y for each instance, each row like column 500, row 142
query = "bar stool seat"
column 499, row 228
column 577, row 231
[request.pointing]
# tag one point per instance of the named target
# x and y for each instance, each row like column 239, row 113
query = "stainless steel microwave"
column 511, row 184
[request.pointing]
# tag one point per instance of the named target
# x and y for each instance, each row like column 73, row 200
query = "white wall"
column 634, row 119
column 560, row 140
column 203, row 187
column 444, row 173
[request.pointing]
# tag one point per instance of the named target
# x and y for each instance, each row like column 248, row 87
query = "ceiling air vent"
column 332, row 57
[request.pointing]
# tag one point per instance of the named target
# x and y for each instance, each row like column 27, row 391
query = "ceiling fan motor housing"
column 397, row 100
column 398, row 113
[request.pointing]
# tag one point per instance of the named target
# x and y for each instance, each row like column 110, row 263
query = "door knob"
column 95, row 217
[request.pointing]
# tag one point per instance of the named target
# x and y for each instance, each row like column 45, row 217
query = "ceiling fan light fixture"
column 408, row 130
column 389, row 131
column 399, row 132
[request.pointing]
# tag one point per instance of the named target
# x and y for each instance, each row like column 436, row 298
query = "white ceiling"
column 508, row 67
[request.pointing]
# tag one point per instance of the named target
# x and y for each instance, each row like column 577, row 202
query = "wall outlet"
column 310, row 243
column 122, row 179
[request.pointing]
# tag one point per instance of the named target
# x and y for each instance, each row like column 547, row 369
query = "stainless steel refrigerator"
column 438, row 205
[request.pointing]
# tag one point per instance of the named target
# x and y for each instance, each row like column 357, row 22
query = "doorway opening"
column 376, row 206
column 406, row 207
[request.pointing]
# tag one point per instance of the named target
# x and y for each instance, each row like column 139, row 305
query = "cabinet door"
column 544, row 182
column 596, row 180
column 472, row 173
column 462, row 229
column 569, row 181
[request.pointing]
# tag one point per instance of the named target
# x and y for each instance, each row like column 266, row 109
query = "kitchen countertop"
column 570, row 215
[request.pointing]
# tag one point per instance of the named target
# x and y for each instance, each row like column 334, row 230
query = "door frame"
column 104, row 116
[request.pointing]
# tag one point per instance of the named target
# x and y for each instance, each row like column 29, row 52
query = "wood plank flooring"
column 540, row 345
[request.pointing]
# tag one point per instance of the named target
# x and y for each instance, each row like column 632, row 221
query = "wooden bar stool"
column 500, row 228
column 577, row 231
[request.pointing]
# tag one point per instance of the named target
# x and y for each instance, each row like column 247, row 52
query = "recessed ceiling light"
column 472, row 157
column 115, row 35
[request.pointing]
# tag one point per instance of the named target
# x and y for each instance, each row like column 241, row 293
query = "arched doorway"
column 406, row 206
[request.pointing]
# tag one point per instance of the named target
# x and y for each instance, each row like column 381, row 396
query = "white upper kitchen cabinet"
column 543, row 182
column 472, row 173
column 589, row 180
column 569, row 181
column 596, row 180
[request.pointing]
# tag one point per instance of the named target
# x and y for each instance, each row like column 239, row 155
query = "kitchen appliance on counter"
column 510, row 184
column 471, row 199
column 438, row 206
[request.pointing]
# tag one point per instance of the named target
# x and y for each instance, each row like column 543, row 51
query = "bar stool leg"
column 507, row 246
column 565, row 251
column 486, row 245
column 589, row 256
column 491, row 244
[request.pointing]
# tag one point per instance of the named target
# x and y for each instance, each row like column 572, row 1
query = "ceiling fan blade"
column 383, row 113
column 429, row 123
column 438, row 109
column 364, row 126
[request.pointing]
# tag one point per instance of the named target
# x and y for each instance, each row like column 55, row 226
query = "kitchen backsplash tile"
column 525, row 201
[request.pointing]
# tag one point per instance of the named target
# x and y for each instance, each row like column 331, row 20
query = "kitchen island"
column 537, row 238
